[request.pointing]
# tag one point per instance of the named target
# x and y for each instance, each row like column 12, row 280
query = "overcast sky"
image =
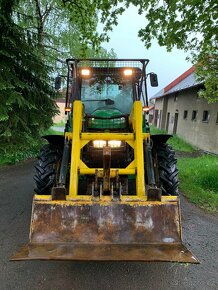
column 127, row 44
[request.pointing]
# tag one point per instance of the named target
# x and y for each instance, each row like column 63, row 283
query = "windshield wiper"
column 107, row 101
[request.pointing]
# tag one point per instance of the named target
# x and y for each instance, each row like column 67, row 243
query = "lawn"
column 199, row 180
column 60, row 124
column 198, row 176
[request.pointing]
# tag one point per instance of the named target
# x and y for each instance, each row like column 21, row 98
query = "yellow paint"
column 138, row 148
column 106, row 201
column 68, row 135
column 107, row 136
column 80, row 139
column 121, row 171
column 131, row 144
column 124, row 198
column 76, row 147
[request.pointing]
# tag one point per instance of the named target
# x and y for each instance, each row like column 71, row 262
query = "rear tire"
column 166, row 169
column 47, row 168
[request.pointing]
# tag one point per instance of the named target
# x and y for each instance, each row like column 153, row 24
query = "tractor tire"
column 47, row 168
column 167, row 172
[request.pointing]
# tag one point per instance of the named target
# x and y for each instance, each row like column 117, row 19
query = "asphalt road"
column 200, row 235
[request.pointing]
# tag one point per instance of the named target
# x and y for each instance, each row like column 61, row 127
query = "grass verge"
column 176, row 142
column 199, row 180
column 60, row 124
column 52, row 132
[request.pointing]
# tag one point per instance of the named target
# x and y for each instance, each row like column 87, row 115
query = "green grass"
column 155, row 130
column 199, row 180
column 60, row 124
column 52, row 132
column 176, row 142
column 180, row 145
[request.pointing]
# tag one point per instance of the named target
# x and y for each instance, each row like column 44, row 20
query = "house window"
column 194, row 115
column 175, row 98
column 217, row 118
column 185, row 115
column 205, row 116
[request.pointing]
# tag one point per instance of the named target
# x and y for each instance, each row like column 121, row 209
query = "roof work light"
column 85, row 72
column 128, row 72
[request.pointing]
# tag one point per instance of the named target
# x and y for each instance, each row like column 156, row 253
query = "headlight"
column 99, row 143
column 114, row 143
column 102, row 143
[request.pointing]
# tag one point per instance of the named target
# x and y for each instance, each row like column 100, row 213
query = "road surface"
column 16, row 187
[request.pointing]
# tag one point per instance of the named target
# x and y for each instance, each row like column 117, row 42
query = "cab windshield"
column 106, row 95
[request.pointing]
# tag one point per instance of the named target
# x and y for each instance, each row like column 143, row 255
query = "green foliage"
column 35, row 37
column 86, row 13
column 13, row 153
column 61, row 30
column 26, row 97
column 16, row 154
column 199, row 180
column 185, row 24
column 188, row 25
column 207, row 70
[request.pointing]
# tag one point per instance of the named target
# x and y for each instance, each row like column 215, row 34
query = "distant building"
column 179, row 110
column 61, row 117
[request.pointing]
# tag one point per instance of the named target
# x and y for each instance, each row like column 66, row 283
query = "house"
column 61, row 117
column 179, row 110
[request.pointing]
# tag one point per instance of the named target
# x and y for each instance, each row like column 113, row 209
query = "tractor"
column 107, row 190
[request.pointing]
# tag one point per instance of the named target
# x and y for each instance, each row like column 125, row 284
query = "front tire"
column 166, row 169
column 47, row 168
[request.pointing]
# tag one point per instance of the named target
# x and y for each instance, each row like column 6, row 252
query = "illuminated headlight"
column 114, row 143
column 99, row 143
column 85, row 72
column 128, row 72
column 102, row 143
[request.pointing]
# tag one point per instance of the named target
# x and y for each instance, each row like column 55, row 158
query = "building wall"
column 202, row 134
column 61, row 117
column 158, row 112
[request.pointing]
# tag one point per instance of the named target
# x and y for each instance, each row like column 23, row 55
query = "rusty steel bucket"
column 106, row 231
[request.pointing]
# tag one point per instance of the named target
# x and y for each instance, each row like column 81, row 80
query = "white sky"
column 126, row 43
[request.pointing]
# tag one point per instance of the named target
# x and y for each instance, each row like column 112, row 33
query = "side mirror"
column 57, row 83
column 153, row 80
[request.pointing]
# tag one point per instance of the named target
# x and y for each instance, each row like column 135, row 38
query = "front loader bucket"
column 105, row 231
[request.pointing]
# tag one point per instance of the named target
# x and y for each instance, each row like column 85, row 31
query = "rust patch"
column 111, row 231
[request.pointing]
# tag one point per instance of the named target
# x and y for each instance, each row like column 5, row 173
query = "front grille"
column 118, row 123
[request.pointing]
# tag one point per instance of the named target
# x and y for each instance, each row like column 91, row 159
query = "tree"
column 188, row 25
column 60, row 32
column 185, row 24
column 30, row 44
column 26, row 96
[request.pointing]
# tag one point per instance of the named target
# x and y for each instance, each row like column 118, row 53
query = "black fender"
column 160, row 138
column 55, row 139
